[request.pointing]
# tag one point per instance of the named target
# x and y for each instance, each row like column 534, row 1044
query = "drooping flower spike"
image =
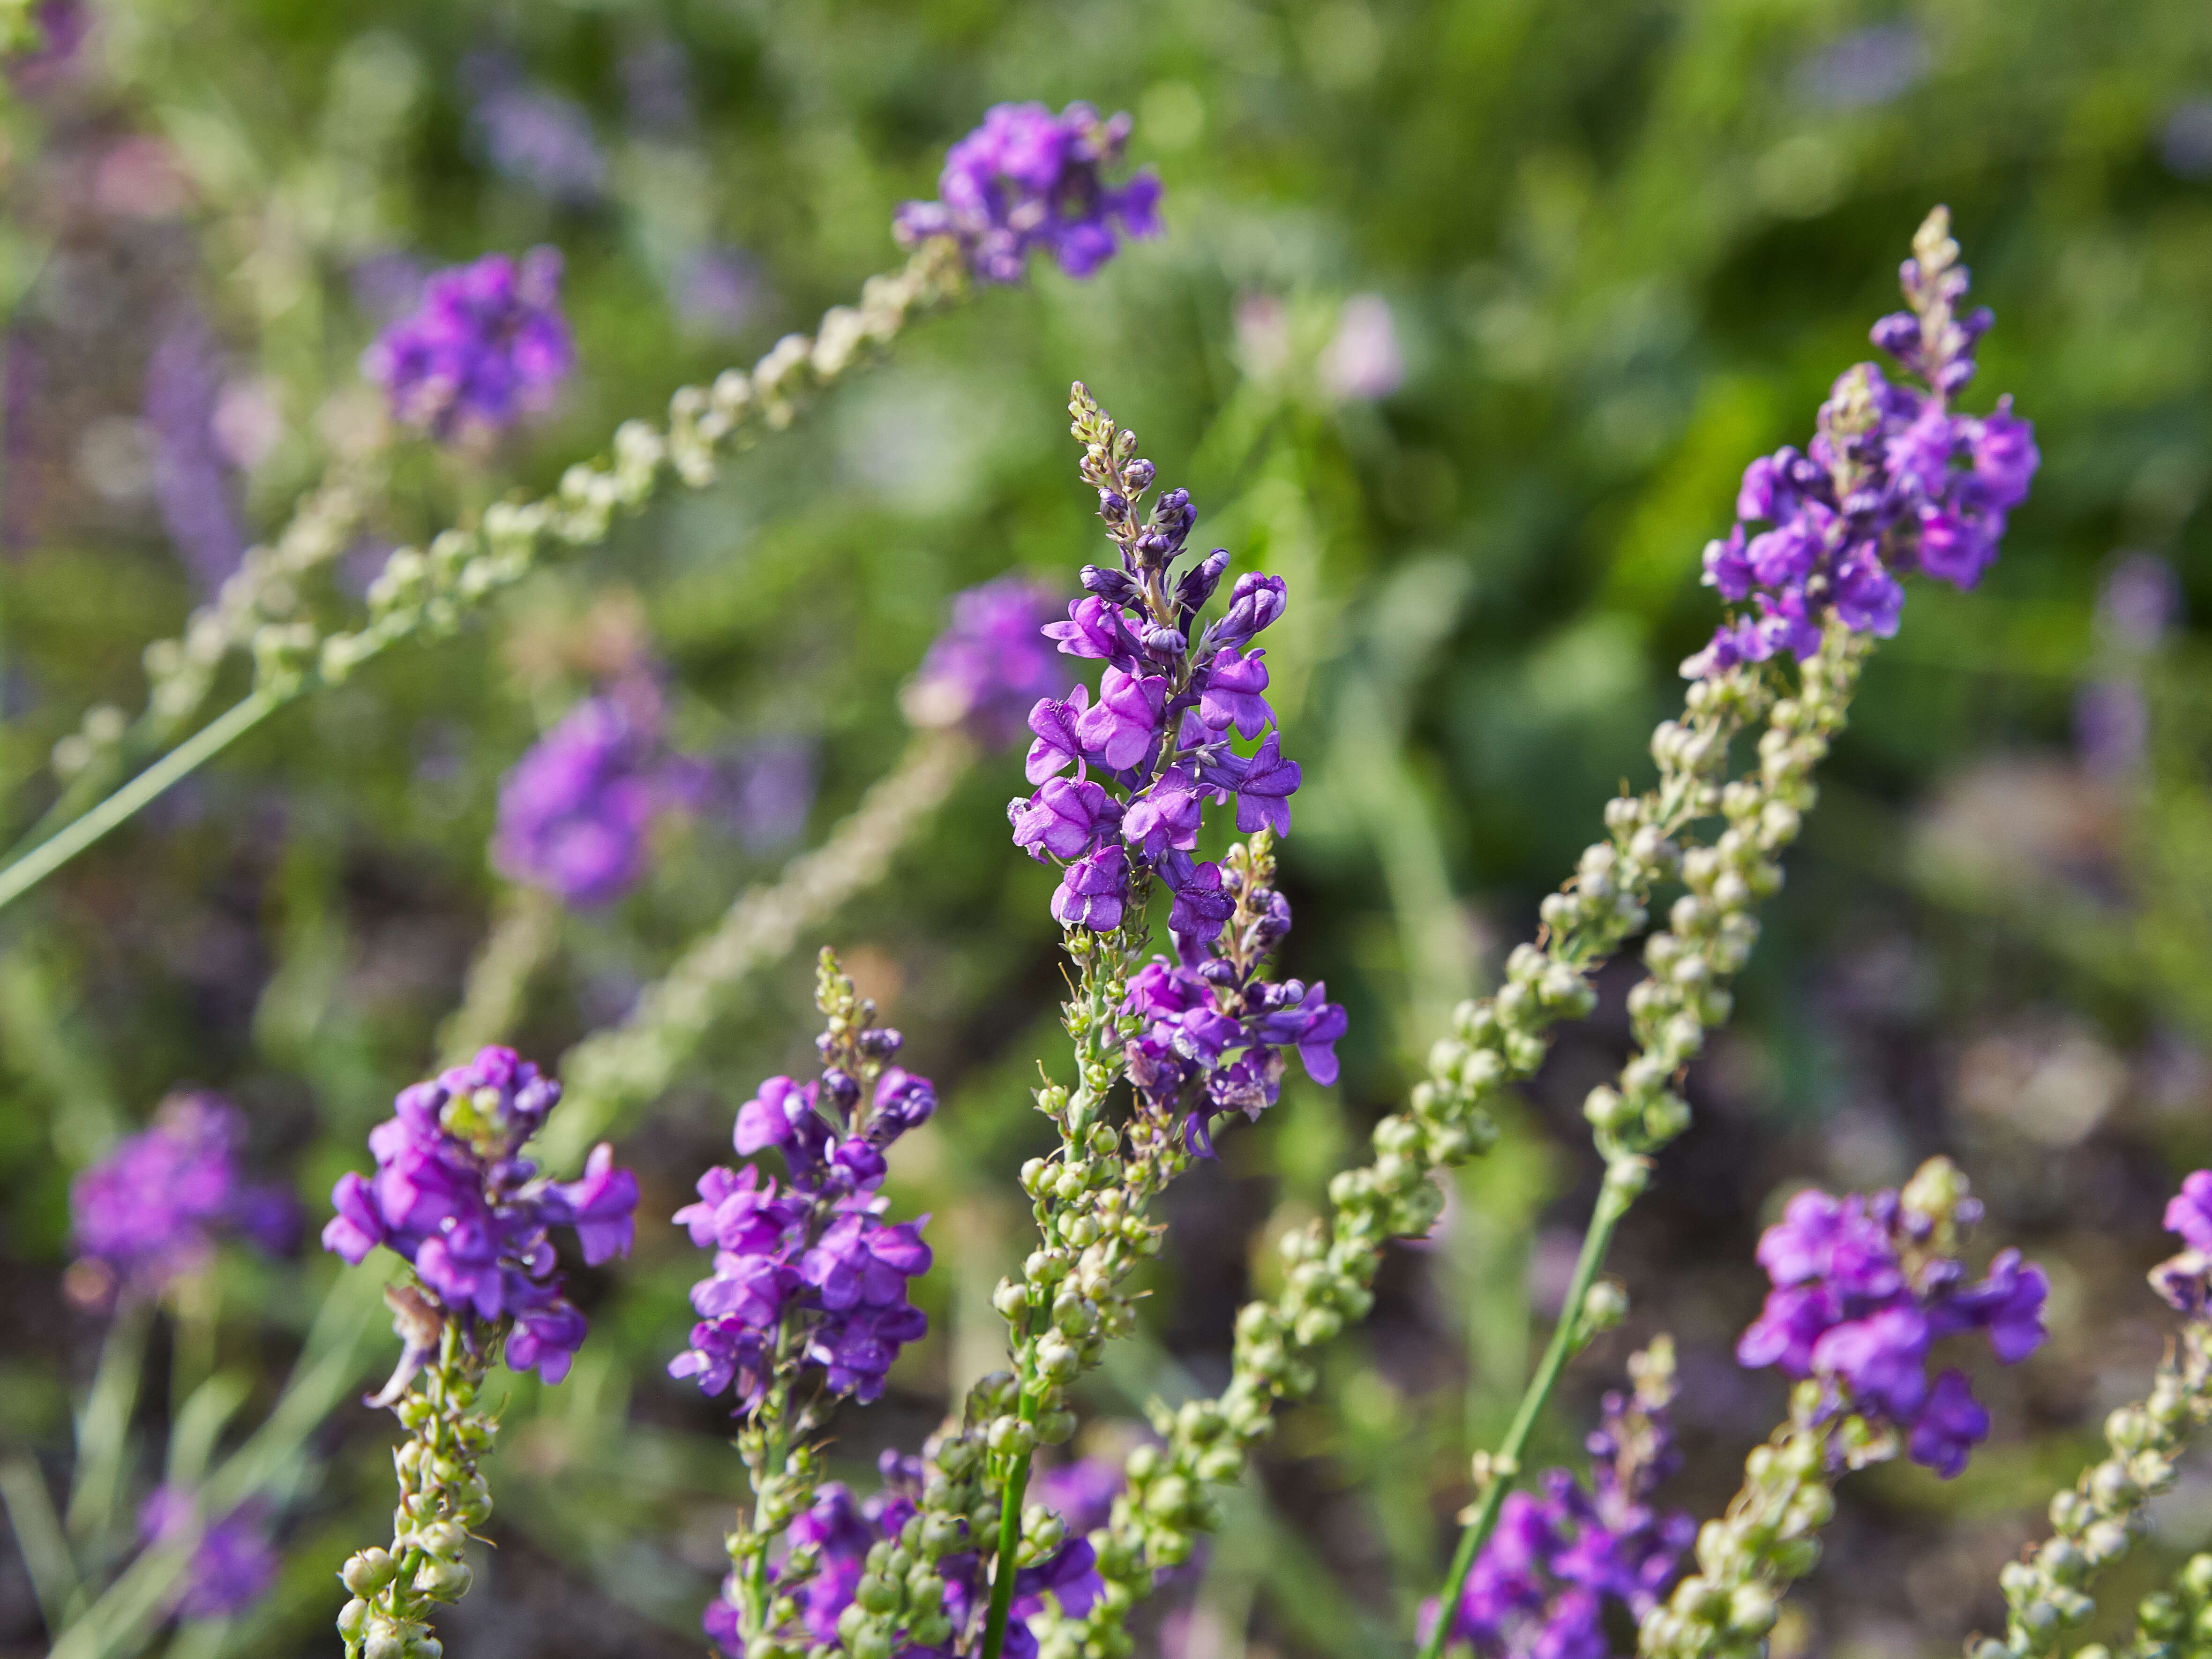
column 1028, row 179
column 1895, row 481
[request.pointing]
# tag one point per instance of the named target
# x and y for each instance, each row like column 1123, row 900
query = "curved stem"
column 1623, row 1177
column 210, row 740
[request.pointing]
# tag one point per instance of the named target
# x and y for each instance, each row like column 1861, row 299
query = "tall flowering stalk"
column 809, row 1285
column 453, row 1197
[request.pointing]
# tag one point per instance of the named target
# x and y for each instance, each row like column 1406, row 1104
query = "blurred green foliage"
column 1625, row 247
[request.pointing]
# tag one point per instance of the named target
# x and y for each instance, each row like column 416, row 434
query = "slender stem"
column 103, row 1431
column 1010, row 1544
column 210, row 740
column 1623, row 1178
column 39, row 1538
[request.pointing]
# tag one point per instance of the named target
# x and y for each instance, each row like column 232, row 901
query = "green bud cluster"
column 442, row 1500
column 1495, row 1042
column 2175, row 1623
column 900, row 1598
column 2097, row 1519
column 1768, row 1538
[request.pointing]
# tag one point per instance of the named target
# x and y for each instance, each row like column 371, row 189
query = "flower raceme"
column 147, row 1213
column 809, row 1269
column 453, row 1198
column 1146, row 757
column 1894, row 481
column 1028, row 179
column 486, row 345
column 1863, row 1289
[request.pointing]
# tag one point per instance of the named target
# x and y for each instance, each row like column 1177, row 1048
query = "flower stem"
column 210, row 740
column 1624, row 1179
column 1010, row 1544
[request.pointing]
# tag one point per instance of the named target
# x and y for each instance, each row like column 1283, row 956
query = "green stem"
column 103, row 1434
column 1623, row 1178
column 1010, row 1544
column 210, row 740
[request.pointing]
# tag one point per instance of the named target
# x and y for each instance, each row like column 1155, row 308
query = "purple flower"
column 1066, row 819
column 535, row 136
column 147, row 1213
column 451, row 1196
column 1091, row 891
column 1880, row 491
column 1119, row 729
column 1263, row 795
column 1164, row 817
column 1232, row 696
column 232, row 1566
column 2188, row 1212
column 1860, row 1298
column 987, row 670
column 1253, row 604
column 1201, row 907
column 485, row 345
column 1057, row 746
column 1095, row 629
column 575, row 812
column 1949, row 1426
column 1028, row 179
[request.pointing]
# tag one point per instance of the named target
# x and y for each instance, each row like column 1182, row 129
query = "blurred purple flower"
column 1867, row 67
column 2185, row 144
column 233, row 1565
column 194, row 482
column 576, row 813
column 771, row 792
column 147, row 1213
column 716, row 290
column 486, row 344
column 535, row 136
column 992, row 663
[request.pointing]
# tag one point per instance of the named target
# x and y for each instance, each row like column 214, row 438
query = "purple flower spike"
column 1862, row 1293
column 486, row 345
column 149, row 1211
column 987, row 670
column 1028, row 179
column 810, row 1268
column 452, row 1196
column 1895, row 481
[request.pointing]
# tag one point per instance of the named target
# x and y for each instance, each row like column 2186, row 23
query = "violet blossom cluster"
column 149, row 1211
column 990, row 665
column 232, row 1566
column 806, row 1270
column 1862, row 1289
column 575, row 812
column 453, row 1198
column 484, row 345
column 831, row 1540
column 1028, row 179
column 1540, row 1589
column 1174, row 697
column 1895, row 481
